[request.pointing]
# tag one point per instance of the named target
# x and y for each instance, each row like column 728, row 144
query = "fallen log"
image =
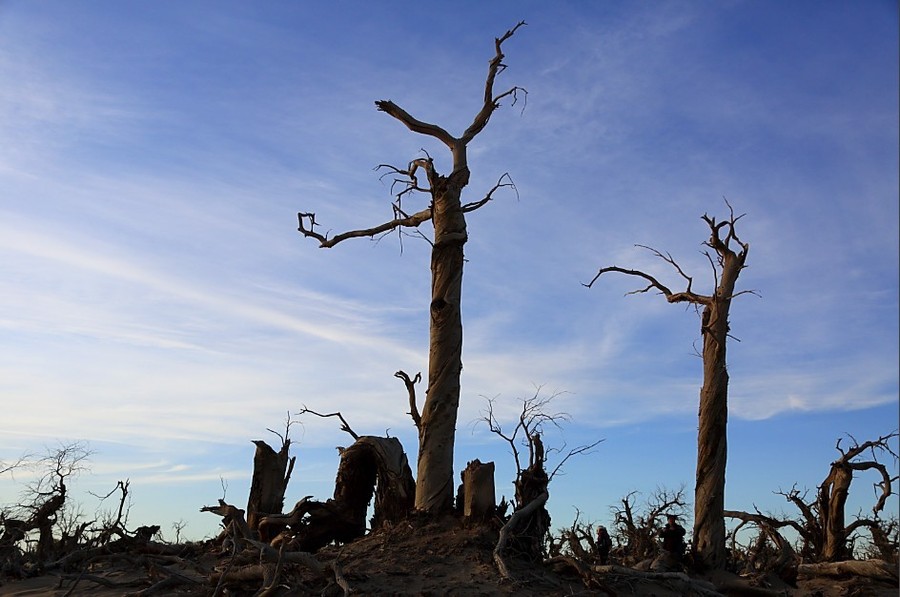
column 878, row 570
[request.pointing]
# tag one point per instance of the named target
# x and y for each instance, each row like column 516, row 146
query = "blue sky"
column 157, row 301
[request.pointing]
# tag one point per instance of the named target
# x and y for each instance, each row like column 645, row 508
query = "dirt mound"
column 438, row 558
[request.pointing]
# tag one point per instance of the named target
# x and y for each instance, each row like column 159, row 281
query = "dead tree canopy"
column 727, row 257
column 783, row 561
column 637, row 524
column 824, row 528
column 446, row 211
column 825, row 536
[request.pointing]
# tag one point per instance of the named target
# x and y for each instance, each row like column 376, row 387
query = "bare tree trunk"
column 437, row 431
column 712, row 444
column 531, row 486
column 271, row 474
column 712, row 437
column 437, row 427
column 832, row 500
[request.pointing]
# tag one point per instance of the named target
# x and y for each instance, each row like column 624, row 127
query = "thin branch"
column 308, row 230
column 575, row 452
column 672, row 297
column 344, row 425
column 468, row 207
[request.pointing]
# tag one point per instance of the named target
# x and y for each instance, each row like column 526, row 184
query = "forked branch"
column 491, row 102
column 411, row 390
column 468, row 207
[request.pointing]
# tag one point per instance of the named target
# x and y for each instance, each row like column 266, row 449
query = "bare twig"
column 344, row 425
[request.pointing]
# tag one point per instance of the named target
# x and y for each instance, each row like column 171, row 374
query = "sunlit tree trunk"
column 437, row 430
column 712, row 441
column 712, row 436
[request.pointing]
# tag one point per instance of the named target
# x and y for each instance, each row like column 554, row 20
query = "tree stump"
column 479, row 501
column 269, row 482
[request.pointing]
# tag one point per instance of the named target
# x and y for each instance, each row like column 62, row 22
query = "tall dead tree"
column 728, row 260
column 446, row 211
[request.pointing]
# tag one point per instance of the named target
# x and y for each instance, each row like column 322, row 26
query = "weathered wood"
column 271, row 473
column 518, row 518
column 678, row 581
column 479, row 496
column 437, row 425
column 728, row 259
column 875, row 569
column 370, row 467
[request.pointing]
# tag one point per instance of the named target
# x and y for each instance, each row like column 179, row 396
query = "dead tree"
column 759, row 558
column 446, row 211
column 532, row 479
column 636, row 526
column 370, row 467
column 271, row 474
column 727, row 261
column 824, row 527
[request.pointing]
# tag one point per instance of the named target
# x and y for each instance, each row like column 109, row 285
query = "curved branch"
column 510, row 525
column 344, row 425
column 411, row 389
column 673, row 297
column 489, row 197
column 412, row 221
column 416, row 125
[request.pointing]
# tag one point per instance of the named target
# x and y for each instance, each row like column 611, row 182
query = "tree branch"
column 411, row 390
column 491, row 103
column 344, row 425
column 672, row 297
column 412, row 221
column 416, row 125
column 468, row 207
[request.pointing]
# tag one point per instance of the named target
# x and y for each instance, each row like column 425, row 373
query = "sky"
column 158, row 303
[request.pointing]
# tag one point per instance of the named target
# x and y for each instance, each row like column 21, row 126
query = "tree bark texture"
column 479, row 499
column 437, row 431
column 375, row 466
column 271, row 474
column 712, row 437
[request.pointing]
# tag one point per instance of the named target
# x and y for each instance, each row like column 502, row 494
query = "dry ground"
column 436, row 558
